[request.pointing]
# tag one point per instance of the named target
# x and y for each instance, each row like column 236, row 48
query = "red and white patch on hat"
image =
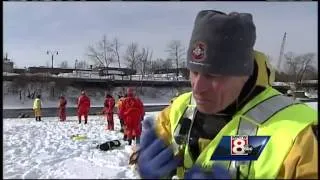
column 199, row 51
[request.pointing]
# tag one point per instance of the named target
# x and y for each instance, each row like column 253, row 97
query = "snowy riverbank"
column 44, row 150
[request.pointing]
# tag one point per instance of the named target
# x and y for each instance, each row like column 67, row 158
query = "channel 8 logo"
column 240, row 148
column 240, row 145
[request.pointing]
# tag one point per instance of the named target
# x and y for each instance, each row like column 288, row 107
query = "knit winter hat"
column 222, row 44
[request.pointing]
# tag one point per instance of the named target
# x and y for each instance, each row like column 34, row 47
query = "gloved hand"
column 147, row 123
column 217, row 172
column 156, row 159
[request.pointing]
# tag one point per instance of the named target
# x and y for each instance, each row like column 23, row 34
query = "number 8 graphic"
column 238, row 146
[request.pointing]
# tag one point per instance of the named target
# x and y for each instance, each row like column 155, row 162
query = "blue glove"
column 156, row 159
column 147, row 123
column 216, row 172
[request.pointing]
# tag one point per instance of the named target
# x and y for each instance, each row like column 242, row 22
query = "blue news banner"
column 240, row 148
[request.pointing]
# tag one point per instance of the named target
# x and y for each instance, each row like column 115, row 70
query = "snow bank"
column 148, row 95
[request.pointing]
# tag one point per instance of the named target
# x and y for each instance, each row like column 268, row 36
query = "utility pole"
column 52, row 53
column 281, row 51
column 75, row 67
column 6, row 57
column 75, row 64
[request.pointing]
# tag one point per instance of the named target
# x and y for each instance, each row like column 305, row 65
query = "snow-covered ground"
column 45, row 150
column 9, row 74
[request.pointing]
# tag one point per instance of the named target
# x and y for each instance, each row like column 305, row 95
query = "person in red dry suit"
column 83, row 107
column 62, row 108
column 132, row 111
column 109, row 104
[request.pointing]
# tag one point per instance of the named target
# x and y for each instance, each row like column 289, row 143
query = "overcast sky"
column 32, row 28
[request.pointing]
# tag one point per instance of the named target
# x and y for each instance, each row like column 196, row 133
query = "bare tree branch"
column 298, row 66
column 144, row 58
column 115, row 48
column 64, row 64
column 176, row 53
column 131, row 56
column 82, row 65
column 162, row 64
column 102, row 54
column 95, row 56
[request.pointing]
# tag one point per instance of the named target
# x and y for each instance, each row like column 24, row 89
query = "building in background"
column 7, row 64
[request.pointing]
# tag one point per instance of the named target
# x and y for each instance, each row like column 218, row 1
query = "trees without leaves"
column 299, row 66
column 64, row 64
column 115, row 48
column 131, row 56
column 140, row 59
column 144, row 59
column 102, row 54
column 176, row 53
column 160, row 63
column 82, row 65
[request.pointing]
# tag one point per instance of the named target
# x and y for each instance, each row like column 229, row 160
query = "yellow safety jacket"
column 267, row 114
column 37, row 104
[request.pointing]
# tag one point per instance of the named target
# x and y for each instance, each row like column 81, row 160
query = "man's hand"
column 156, row 159
column 133, row 159
column 216, row 172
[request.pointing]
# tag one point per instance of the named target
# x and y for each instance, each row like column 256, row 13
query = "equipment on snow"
column 23, row 115
column 79, row 137
column 109, row 145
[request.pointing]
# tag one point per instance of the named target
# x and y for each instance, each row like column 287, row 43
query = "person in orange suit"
column 62, row 108
column 83, row 106
column 109, row 104
column 132, row 111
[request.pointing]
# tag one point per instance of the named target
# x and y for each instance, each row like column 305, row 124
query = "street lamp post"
column 75, row 64
column 75, row 67
column 52, row 53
